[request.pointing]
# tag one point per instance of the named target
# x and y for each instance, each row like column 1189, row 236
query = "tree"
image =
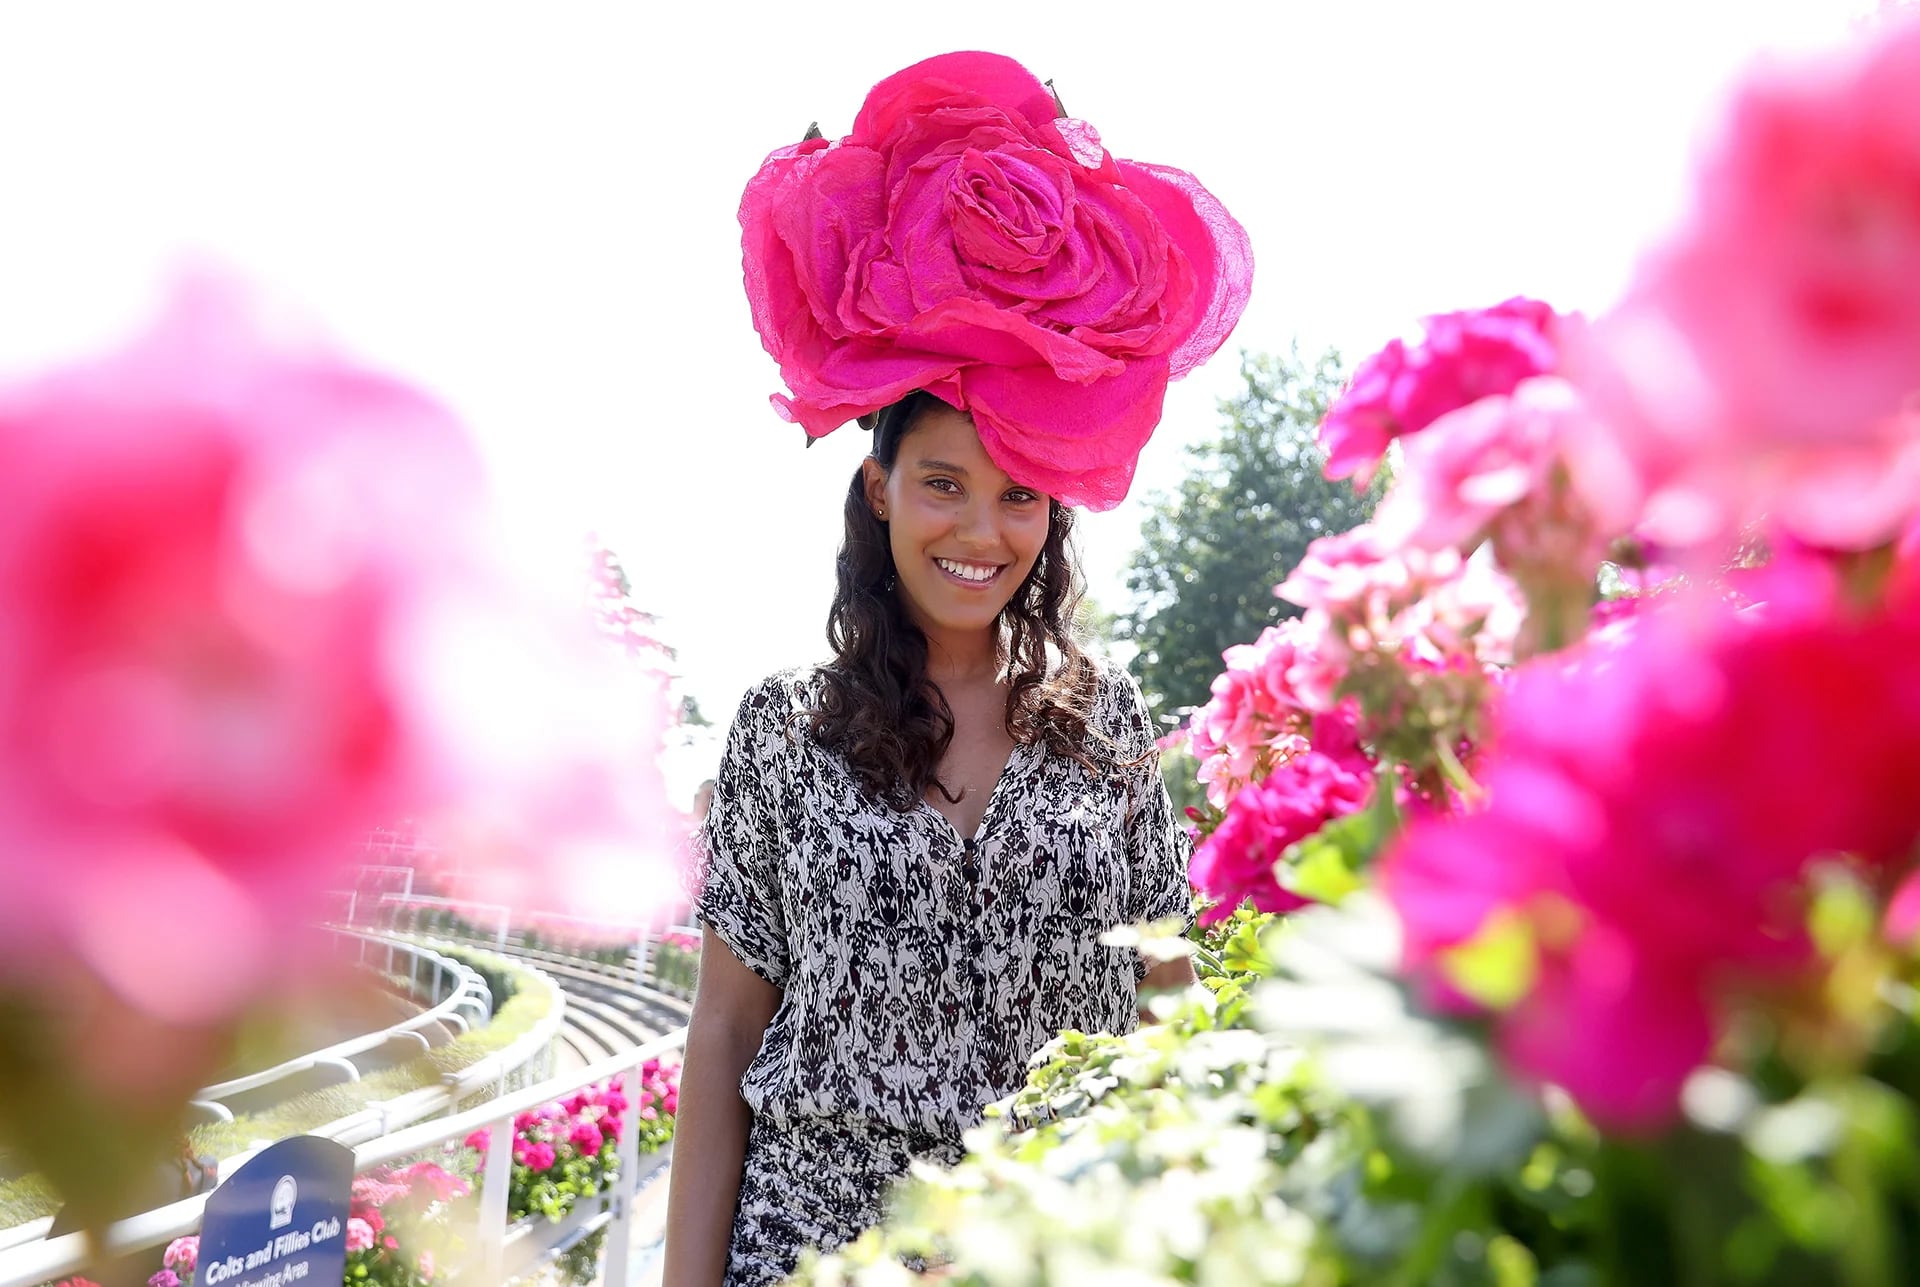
column 1212, row 551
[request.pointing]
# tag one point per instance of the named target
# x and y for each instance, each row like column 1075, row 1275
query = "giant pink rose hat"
column 969, row 240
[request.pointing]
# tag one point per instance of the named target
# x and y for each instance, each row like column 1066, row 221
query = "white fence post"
column 493, row 1201
column 620, row 1229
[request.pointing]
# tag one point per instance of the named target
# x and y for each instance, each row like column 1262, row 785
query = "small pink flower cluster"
column 1414, row 637
column 1325, row 777
column 685, row 940
column 1393, row 654
column 1652, row 829
column 380, row 1202
column 178, row 1262
column 1255, row 718
column 589, row 1121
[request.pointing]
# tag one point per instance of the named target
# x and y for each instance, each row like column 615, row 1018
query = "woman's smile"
column 973, row 576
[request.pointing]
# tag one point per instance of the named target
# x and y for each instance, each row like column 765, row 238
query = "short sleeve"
column 739, row 848
column 1158, row 846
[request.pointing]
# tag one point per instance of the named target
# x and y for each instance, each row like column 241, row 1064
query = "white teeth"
column 968, row 571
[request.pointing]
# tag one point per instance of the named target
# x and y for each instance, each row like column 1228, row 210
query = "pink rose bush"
column 1651, row 849
column 967, row 239
column 1621, row 825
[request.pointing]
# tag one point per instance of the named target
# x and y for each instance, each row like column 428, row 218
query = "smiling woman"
column 914, row 849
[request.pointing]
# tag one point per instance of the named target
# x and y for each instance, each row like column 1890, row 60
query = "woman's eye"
column 943, row 484
column 1021, row 497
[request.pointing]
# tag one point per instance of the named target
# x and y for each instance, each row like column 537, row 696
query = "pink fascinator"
column 970, row 240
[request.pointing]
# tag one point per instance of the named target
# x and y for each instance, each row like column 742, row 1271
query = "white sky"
column 530, row 210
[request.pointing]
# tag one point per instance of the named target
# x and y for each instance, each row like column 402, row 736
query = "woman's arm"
column 731, row 1011
column 1177, row 973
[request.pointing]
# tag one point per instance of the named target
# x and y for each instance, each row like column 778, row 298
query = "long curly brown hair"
column 878, row 708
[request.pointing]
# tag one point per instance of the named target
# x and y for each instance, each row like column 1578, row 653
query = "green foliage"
column 501, row 975
column 676, row 969
column 552, row 1193
column 579, row 1264
column 1212, row 551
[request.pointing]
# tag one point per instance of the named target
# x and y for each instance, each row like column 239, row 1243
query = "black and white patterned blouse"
column 920, row 969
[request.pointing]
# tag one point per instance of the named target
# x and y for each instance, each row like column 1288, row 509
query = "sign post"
column 281, row 1218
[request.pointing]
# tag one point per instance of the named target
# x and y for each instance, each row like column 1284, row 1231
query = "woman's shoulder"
column 1119, row 709
column 777, row 699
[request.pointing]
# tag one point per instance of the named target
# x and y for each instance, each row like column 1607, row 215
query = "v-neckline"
column 993, row 796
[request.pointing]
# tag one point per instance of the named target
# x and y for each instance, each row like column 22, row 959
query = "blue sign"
column 281, row 1218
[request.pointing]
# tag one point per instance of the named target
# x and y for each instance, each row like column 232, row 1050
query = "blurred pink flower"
column 1462, row 358
column 165, row 1278
column 426, row 1265
column 208, row 548
column 432, row 1177
column 538, row 1156
column 1239, row 860
column 1533, row 471
column 587, row 1137
column 183, row 1254
column 1768, row 360
column 251, row 605
column 359, row 1235
column 480, row 1140
column 1652, row 824
column 1363, row 595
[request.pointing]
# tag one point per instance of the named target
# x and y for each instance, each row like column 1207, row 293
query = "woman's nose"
column 979, row 525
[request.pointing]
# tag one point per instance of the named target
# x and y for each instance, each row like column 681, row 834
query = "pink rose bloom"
column 359, row 1235
column 165, row 1278
column 1240, row 860
column 1655, row 811
column 538, row 1156
column 588, row 1138
column 1768, row 359
column 964, row 241
column 183, row 1254
column 480, row 1140
column 1404, row 388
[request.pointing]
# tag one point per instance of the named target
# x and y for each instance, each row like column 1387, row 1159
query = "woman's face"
column 963, row 534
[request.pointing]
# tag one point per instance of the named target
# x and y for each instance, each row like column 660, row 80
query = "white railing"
column 370, row 1124
column 498, row 1253
column 470, row 992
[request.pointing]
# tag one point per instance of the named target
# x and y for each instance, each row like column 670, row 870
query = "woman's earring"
column 880, row 514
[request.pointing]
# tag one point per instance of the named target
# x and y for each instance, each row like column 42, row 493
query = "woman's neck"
column 963, row 657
